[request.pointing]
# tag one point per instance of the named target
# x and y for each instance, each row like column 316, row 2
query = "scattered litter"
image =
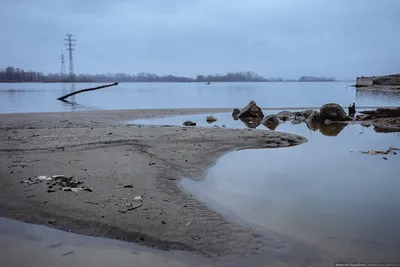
column 73, row 189
column 188, row 223
column 66, row 254
column 138, row 198
column 44, row 178
column 90, row 202
column 27, row 182
column 130, row 208
column 59, row 181
column 55, row 245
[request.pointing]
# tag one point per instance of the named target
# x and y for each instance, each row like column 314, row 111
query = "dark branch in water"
column 86, row 90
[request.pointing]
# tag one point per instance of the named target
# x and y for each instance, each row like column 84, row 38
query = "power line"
column 70, row 47
column 62, row 73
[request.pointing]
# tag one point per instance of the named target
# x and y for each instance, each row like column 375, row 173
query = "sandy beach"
column 120, row 162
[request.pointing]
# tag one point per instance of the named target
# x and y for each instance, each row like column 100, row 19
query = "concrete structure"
column 365, row 81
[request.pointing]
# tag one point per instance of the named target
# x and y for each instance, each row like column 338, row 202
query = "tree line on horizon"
column 11, row 74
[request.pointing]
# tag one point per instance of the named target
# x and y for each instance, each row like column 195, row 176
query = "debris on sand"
column 211, row 119
column 59, row 181
column 44, row 178
column 130, row 208
column 138, row 198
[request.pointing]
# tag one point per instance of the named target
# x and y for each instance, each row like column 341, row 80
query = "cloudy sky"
column 275, row 38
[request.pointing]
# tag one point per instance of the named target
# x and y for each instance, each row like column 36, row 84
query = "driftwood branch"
column 86, row 90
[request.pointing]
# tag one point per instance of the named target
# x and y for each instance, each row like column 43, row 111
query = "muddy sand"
column 120, row 162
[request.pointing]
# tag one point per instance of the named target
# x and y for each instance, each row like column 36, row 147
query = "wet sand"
column 121, row 162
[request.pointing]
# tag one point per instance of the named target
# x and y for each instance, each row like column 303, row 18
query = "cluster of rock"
column 383, row 119
column 330, row 120
column 252, row 116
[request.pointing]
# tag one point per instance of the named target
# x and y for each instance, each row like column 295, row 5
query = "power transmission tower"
column 62, row 73
column 70, row 47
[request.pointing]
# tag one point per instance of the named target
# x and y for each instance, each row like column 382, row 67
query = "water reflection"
column 368, row 97
column 324, row 191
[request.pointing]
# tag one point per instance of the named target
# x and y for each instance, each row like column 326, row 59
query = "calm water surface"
column 41, row 97
column 324, row 192
column 23, row 244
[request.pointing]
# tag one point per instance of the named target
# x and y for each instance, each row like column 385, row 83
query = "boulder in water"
column 189, row 123
column 333, row 112
column 211, row 119
column 251, row 111
column 235, row 113
column 271, row 122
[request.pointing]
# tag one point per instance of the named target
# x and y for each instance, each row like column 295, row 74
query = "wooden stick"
column 86, row 90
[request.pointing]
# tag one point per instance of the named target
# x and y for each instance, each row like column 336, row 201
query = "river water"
column 41, row 97
column 324, row 192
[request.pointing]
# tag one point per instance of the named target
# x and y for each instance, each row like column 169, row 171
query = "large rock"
column 271, row 122
column 211, row 119
column 333, row 112
column 235, row 113
column 251, row 111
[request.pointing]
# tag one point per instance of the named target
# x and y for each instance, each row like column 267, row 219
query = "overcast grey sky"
column 275, row 38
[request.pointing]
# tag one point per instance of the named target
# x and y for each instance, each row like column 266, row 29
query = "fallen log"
column 86, row 90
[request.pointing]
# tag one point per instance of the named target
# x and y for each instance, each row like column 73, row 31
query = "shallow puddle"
column 23, row 244
column 324, row 192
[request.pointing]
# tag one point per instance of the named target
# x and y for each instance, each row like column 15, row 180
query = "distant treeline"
column 11, row 74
